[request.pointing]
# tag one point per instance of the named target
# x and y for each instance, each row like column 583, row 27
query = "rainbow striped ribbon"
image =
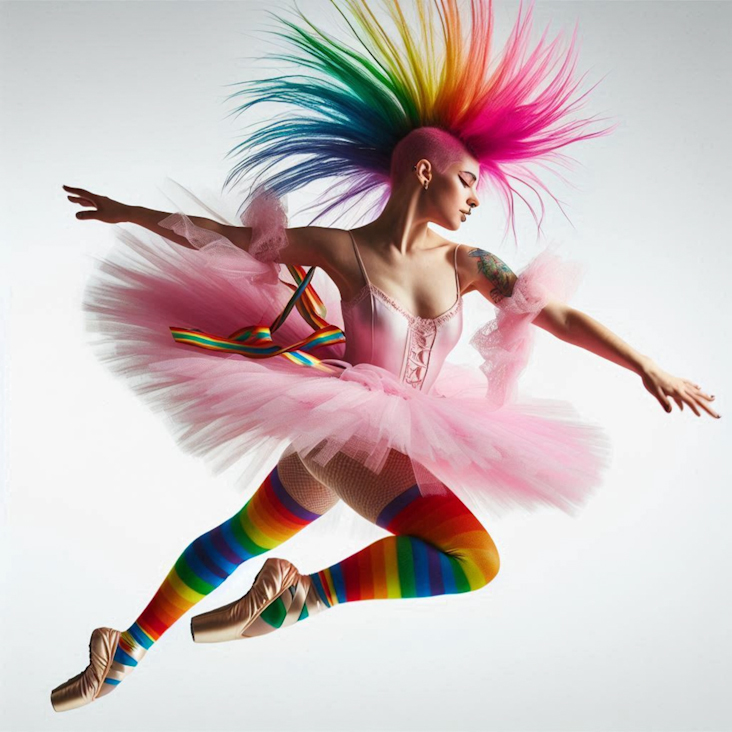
column 255, row 341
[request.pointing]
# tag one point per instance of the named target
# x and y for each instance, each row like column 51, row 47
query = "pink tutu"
column 467, row 432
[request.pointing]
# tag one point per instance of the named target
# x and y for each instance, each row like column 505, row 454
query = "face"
column 452, row 195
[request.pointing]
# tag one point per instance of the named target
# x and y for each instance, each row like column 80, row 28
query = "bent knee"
column 491, row 564
column 487, row 561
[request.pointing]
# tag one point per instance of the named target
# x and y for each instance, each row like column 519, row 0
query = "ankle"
column 129, row 651
column 320, row 594
column 127, row 655
column 136, row 641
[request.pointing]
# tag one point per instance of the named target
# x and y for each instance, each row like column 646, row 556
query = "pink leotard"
column 380, row 331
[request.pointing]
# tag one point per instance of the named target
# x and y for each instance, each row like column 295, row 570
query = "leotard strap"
column 358, row 257
column 457, row 276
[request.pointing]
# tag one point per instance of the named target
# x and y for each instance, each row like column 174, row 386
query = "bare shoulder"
column 485, row 272
column 325, row 247
column 312, row 246
column 307, row 246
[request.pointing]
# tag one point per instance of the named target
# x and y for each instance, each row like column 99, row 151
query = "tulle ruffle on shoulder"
column 467, row 433
column 505, row 342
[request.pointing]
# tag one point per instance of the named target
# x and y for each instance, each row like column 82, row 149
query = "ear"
column 423, row 171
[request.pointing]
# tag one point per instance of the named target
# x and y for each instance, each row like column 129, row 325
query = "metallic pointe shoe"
column 89, row 685
column 240, row 619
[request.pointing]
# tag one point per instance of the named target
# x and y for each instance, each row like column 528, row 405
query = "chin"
column 449, row 223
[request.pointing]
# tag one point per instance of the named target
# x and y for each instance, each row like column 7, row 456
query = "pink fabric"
column 379, row 331
column 505, row 343
column 268, row 218
column 382, row 332
column 226, row 408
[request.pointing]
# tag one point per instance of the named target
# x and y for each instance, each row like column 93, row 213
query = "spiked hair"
column 358, row 102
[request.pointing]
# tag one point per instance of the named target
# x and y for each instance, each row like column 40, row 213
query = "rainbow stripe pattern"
column 439, row 548
column 255, row 341
column 267, row 520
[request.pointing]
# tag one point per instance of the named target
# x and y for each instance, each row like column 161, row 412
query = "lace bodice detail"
column 380, row 331
column 414, row 319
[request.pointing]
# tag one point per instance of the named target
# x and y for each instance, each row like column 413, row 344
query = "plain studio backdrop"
column 617, row 619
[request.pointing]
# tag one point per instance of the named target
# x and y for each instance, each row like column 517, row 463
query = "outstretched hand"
column 662, row 385
column 107, row 210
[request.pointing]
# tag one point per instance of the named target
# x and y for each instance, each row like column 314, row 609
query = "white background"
column 617, row 619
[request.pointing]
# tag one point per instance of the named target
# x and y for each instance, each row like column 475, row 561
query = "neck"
column 401, row 225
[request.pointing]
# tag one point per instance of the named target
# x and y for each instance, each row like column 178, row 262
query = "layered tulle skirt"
column 468, row 434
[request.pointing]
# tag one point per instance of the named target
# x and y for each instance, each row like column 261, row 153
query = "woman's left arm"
column 575, row 327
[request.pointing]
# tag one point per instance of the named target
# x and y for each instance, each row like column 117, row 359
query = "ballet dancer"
column 370, row 409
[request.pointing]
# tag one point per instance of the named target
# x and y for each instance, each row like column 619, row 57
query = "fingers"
column 706, row 409
column 661, row 396
column 92, row 214
column 79, row 191
column 678, row 397
column 696, row 395
column 83, row 198
column 82, row 201
column 697, row 388
column 694, row 399
column 690, row 401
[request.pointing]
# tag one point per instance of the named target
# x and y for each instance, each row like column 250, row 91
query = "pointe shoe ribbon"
column 87, row 686
column 238, row 619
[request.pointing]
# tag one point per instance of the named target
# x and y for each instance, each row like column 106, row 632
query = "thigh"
column 365, row 491
column 303, row 486
column 392, row 500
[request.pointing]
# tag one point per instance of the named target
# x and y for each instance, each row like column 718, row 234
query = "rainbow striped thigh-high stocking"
column 287, row 500
column 439, row 547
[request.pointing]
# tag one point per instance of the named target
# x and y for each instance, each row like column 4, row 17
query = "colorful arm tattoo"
column 497, row 272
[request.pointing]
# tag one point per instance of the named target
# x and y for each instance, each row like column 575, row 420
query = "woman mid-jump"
column 366, row 409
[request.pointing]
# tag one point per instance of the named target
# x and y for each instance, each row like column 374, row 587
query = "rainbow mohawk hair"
column 361, row 102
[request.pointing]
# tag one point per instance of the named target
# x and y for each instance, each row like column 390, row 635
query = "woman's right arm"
column 113, row 212
column 150, row 219
column 306, row 245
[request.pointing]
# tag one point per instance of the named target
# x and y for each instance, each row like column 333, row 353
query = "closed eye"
column 462, row 180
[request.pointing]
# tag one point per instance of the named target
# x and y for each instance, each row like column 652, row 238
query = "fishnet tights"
column 309, row 492
column 318, row 488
